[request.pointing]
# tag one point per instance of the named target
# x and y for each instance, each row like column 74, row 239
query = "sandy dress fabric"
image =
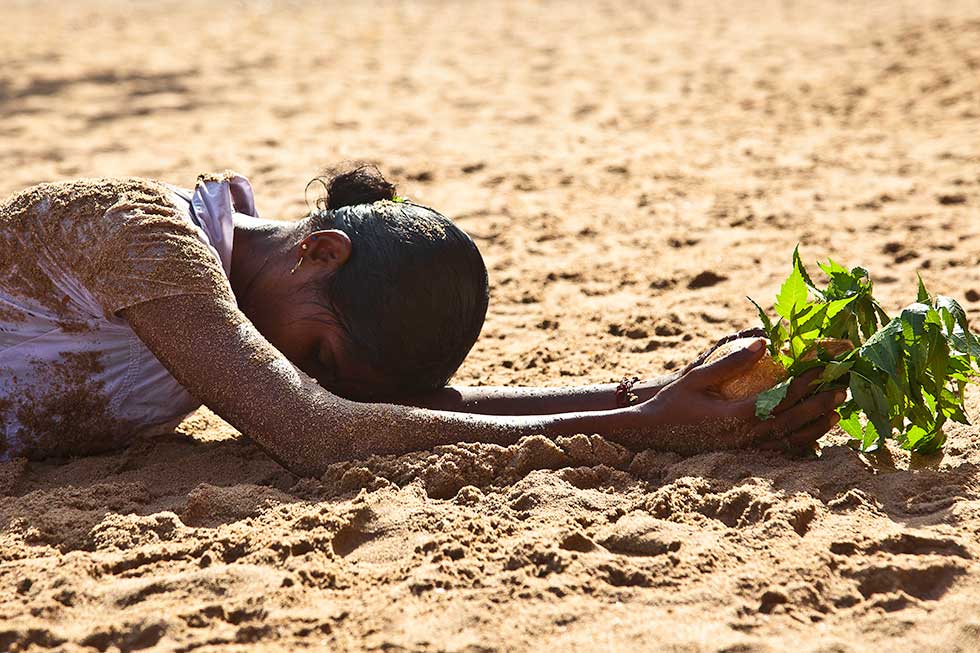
column 74, row 377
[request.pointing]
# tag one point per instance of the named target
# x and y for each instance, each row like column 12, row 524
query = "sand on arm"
column 211, row 348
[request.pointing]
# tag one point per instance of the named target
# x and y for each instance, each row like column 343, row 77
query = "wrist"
column 627, row 427
column 607, row 423
column 623, row 419
column 648, row 389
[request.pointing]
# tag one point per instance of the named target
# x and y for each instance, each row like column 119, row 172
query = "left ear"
column 328, row 249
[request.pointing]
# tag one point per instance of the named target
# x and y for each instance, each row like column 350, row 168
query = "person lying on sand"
column 126, row 303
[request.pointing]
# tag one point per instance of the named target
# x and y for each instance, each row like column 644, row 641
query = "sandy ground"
column 605, row 156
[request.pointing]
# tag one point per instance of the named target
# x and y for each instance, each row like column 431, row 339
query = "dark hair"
column 413, row 295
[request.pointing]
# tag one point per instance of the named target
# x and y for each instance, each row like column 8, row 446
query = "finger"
column 739, row 409
column 754, row 332
column 696, row 362
column 804, row 438
column 813, row 431
column 732, row 365
column 799, row 388
column 800, row 415
column 703, row 356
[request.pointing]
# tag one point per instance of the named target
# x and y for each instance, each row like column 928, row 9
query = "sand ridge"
column 531, row 543
column 630, row 172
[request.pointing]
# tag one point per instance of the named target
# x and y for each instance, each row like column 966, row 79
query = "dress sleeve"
column 152, row 251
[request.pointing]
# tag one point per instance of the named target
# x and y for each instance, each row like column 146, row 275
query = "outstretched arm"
column 487, row 400
column 218, row 355
column 215, row 352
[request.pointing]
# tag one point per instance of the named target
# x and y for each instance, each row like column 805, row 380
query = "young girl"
column 126, row 303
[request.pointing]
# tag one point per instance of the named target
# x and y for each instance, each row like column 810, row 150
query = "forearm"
column 534, row 401
column 541, row 401
column 307, row 428
column 251, row 385
column 389, row 429
column 308, row 435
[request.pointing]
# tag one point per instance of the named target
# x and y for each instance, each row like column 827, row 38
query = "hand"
column 694, row 418
column 754, row 332
column 647, row 389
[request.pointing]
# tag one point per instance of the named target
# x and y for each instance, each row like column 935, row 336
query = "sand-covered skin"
column 630, row 172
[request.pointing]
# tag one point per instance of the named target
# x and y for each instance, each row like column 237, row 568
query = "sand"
column 630, row 171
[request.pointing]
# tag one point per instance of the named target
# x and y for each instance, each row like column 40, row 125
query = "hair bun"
column 351, row 185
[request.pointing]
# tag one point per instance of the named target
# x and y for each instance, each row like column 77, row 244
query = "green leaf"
column 959, row 336
column 956, row 311
column 882, row 315
column 779, row 338
column 922, row 440
column 792, row 295
column 834, row 370
column 883, row 348
column 913, row 319
column 872, row 401
column 896, row 403
column 851, row 424
column 906, row 375
column 938, row 360
column 831, row 268
column 923, row 295
column 870, row 439
column 798, row 265
column 767, row 400
column 914, row 435
column 771, row 332
column 867, row 318
column 813, row 320
column 952, row 407
column 836, row 306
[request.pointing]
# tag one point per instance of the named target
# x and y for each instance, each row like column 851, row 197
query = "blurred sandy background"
column 630, row 171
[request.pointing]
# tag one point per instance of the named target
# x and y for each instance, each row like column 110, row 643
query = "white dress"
column 74, row 377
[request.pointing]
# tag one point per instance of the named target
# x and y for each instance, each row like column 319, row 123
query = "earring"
column 303, row 248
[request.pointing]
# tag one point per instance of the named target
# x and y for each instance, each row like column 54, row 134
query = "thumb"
column 733, row 365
